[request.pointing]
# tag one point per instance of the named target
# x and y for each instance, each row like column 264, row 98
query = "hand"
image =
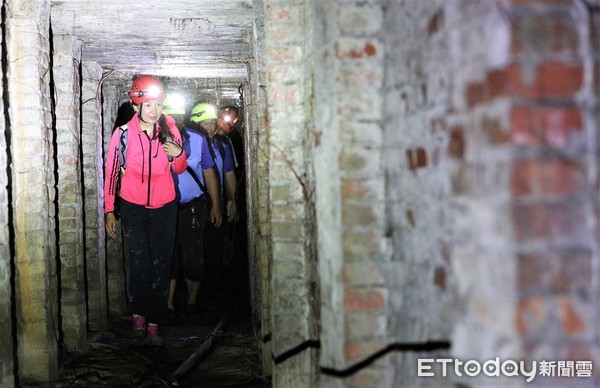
column 232, row 213
column 172, row 149
column 216, row 217
column 110, row 224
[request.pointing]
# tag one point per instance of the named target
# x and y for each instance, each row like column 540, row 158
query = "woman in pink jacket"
column 150, row 146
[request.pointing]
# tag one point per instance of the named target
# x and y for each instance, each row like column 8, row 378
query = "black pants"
column 150, row 234
column 188, row 258
column 213, row 257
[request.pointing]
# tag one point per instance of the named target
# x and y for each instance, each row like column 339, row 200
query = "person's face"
column 210, row 126
column 150, row 110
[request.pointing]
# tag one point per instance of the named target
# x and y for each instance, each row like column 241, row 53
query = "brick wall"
column 91, row 145
column 350, row 186
column 257, row 181
column 455, row 164
column 113, row 96
column 290, row 202
column 553, row 130
column 33, row 188
column 65, row 71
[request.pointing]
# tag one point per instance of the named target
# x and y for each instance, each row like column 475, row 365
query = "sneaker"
column 139, row 326
column 153, row 338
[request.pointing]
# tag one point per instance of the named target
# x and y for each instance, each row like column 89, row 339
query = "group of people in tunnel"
column 171, row 180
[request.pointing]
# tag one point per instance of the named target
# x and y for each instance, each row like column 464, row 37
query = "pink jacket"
column 147, row 179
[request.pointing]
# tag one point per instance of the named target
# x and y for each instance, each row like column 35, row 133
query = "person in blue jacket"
column 195, row 188
column 203, row 118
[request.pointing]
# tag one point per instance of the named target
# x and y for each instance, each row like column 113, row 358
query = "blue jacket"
column 198, row 157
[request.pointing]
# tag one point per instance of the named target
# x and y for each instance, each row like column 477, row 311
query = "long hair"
column 164, row 134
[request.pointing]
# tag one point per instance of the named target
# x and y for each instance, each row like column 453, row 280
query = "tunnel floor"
column 216, row 349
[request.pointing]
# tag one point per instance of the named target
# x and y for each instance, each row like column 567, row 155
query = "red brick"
column 363, row 189
column 355, row 351
column 523, row 129
column 550, row 33
column 275, row 13
column 280, row 35
column 495, row 85
column 496, row 82
column 555, row 272
column 547, row 177
column 283, row 94
column 556, row 220
column 439, row 277
column 456, row 145
column 368, row 49
column 544, row 125
column 558, row 123
column 282, row 54
column 476, row 94
column 552, row 80
column 417, row 158
column 363, row 299
column 572, row 321
column 495, row 132
column 529, row 315
column 435, row 22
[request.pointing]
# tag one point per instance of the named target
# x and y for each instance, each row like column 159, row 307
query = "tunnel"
column 420, row 183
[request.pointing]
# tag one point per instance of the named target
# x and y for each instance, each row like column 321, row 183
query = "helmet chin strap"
column 140, row 114
column 144, row 121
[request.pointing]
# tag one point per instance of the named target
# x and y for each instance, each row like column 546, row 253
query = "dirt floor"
column 216, row 349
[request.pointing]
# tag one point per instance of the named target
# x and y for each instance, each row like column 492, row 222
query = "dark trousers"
column 150, row 234
column 188, row 258
column 213, row 258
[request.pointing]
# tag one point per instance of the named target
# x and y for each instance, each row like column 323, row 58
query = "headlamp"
column 153, row 92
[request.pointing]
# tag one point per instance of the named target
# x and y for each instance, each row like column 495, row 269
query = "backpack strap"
column 123, row 148
column 193, row 174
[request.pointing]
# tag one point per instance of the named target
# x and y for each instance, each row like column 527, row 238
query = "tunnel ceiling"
column 176, row 38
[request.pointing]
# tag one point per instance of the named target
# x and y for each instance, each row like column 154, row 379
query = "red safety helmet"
column 227, row 119
column 146, row 88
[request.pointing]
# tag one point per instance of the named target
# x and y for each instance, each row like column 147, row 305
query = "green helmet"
column 174, row 104
column 202, row 112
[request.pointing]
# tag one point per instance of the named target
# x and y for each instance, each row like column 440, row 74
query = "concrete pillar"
column 115, row 252
column 67, row 59
column 33, row 187
column 91, row 140
column 290, row 195
column 7, row 377
column 257, row 188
